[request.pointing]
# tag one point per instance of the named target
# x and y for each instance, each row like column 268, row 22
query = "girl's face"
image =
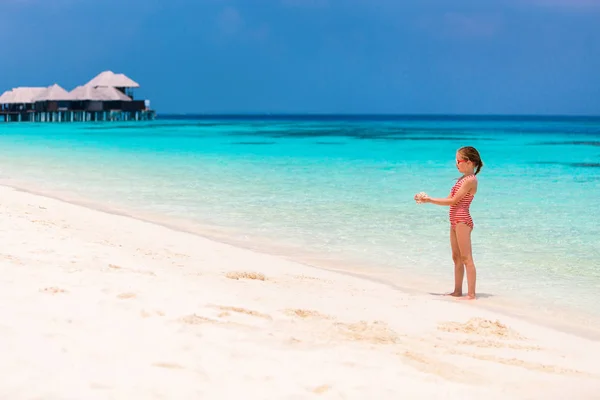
column 462, row 164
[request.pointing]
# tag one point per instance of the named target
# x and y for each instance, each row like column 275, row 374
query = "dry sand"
column 99, row 306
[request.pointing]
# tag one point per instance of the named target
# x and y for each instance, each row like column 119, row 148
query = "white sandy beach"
column 101, row 306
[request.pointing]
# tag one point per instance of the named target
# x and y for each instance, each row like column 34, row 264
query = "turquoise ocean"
column 337, row 191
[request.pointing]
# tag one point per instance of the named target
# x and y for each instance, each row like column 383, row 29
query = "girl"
column 468, row 162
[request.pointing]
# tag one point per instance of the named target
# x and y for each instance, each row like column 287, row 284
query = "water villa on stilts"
column 107, row 97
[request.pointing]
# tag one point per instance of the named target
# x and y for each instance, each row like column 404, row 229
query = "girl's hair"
column 471, row 154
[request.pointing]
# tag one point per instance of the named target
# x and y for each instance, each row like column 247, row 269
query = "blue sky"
column 333, row 56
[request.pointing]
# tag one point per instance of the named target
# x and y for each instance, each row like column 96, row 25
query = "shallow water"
column 341, row 189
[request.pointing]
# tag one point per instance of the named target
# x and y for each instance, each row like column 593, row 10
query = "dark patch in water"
column 284, row 130
column 113, row 126
column 572, row 142
column 279, row 135
column 363, row 133
column 588, row 179
column 586, row 165
column 306, row 133
column 420, row 138
column 253, row 143
column 426, row 138
column 573, row 164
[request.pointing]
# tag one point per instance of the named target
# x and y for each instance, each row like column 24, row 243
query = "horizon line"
column 328, row 114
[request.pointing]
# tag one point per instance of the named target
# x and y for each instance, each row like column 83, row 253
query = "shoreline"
column 99, row 305
column 560, row 318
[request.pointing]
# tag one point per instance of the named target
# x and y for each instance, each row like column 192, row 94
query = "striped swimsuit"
column 460, row 211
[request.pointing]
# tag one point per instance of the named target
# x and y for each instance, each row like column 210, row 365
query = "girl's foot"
column 454, row 294
column 469, row 297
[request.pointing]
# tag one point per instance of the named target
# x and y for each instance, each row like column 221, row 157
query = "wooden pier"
column 107, row 97
column 76, row 116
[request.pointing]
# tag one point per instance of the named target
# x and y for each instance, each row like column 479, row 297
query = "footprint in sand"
column 245, row 311
column 147, row 252
column 195, row 319
column 481, row 327
column 305, row 313
column 53, row 290
column 489, row 344
column 148, row 314
column 500, row 332
column 257, row 276
column 126, row 296
column 42, row 222
column 374, row 332
column 135, row 271
column 532, row 366
column 293, row 340
column 175, row 254
column 442, row 369
column 321, row 389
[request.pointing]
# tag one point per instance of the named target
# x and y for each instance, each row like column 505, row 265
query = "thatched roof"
column 110, row 79
column 101, row 88
column 21, row 95
column 111, row 93
column 5, row 97
column 54, row 93
column 82, row 93
column 85, row 93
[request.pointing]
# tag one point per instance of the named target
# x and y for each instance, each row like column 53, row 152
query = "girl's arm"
column 450, row 201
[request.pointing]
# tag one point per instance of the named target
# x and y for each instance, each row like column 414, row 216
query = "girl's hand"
column 421, row 197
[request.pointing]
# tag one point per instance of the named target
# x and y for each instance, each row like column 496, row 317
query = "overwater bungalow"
column 106, row 97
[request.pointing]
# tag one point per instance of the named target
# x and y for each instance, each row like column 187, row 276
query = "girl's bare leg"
column 463, row 236
column 459, row 266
